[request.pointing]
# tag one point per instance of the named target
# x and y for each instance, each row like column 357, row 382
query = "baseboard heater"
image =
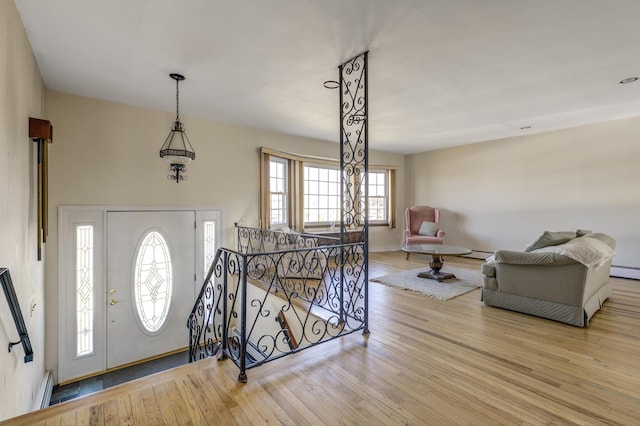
column 625, row 272
column 43, row 398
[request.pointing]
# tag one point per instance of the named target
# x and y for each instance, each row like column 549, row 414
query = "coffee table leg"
column 436, row 264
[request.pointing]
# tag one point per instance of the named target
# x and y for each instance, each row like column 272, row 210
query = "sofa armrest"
column 488, row 269
column 531, row 258
column 440, row 233
column 604, row 238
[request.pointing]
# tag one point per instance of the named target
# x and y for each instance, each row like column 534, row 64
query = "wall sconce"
column 177, row 150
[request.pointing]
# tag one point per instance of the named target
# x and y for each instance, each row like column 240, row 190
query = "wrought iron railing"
column 278, row 294
column 16, row 313
column 282, row 292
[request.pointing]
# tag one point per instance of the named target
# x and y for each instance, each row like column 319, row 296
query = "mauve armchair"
column 414, row 217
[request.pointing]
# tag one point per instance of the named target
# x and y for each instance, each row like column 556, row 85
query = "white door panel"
column 127, row 338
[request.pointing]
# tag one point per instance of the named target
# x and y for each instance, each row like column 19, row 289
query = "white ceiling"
column 441, row 72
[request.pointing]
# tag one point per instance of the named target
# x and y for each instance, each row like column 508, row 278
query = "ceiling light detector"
column 331, row 84
column 629, row 80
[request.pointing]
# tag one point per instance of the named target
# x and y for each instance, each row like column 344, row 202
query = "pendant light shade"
column 177, row 149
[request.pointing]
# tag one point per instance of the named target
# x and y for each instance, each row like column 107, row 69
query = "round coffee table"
column 436, row 251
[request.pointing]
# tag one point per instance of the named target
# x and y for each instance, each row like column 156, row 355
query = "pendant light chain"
column 177, row 100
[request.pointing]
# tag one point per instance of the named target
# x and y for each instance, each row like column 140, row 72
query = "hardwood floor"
column 425, row 362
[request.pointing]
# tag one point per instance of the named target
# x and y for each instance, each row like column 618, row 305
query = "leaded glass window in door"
column 153, row 281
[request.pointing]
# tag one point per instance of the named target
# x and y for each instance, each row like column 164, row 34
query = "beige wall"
column 501, row 194
column 497, row 194
column 22, row 92
column 107, row 154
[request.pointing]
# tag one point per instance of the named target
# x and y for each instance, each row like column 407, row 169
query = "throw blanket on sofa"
column 591, row 252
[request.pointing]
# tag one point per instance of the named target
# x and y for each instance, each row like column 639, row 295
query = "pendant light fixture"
column 177, row 150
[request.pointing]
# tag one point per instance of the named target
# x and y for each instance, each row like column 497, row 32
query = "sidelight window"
column 209, row 244
column 85, row 310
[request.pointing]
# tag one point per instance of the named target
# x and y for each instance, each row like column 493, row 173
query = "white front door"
column 112, row 308
column 150, row 281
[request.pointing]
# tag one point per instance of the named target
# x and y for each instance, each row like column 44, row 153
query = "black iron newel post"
column 354, row 165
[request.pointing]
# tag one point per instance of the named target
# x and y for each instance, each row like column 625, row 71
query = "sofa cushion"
column 428, row 229
column 539, row 257
column 591, row 252
column 549, row 238
column 421, row 239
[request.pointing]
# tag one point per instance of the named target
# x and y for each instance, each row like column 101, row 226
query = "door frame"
column 69, row 366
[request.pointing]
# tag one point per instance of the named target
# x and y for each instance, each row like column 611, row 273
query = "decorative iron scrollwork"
column 282, row 292
column 249, row 293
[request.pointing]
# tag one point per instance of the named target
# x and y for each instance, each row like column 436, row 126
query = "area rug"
column 464, row 282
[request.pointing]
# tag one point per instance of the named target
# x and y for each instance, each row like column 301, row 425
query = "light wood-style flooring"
column 425, row 362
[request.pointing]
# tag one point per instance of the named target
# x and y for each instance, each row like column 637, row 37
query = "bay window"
column 304, row 192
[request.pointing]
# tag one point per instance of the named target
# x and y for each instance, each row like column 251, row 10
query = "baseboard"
column 43, row 397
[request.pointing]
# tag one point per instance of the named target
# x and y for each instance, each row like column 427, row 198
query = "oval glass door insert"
column 153, row 281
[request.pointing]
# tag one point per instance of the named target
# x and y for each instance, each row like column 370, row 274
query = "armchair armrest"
column 440, row 233
column 531, row 258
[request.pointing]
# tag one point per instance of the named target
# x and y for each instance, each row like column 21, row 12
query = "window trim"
column 296, row 189
column 386, row 198
column 320, row 224
column 287, row 191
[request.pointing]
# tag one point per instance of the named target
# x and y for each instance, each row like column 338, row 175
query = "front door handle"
column 113, row 301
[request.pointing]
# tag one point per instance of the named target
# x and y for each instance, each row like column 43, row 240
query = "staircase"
column 277, row 296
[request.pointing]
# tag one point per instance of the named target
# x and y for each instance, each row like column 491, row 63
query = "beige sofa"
column 562, row 276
